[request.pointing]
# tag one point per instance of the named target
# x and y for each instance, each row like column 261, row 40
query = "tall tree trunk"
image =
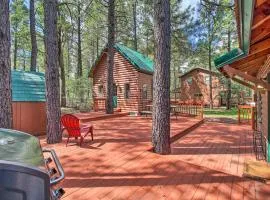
column 5, row 71
column 210, row 77
column 52, row 72
column 135, row 40
column 175, row 82
column 24, row 60
column 229, row 82
column 15, row 51
column 94, row 54
column 161, row 98
column 68, row 58
column 33, row 66
column 79, row 61
column 110, row 65
column 62, row 68
column 79, row 56
column 97, row 43
column 210, row 61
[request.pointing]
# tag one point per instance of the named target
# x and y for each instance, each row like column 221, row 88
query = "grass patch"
column 221, row 112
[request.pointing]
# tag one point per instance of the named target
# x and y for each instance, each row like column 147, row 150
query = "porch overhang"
column 251, row 60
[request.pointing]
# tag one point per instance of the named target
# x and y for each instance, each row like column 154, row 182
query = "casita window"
column 100, row 90
column 127, row 91
column 198, row 95
column 207, row 79
column 189, row 80
column 144, row 94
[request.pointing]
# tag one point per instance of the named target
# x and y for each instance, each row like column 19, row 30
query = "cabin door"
column 114, row 96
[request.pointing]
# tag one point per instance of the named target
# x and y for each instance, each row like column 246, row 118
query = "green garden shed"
column 28, row 102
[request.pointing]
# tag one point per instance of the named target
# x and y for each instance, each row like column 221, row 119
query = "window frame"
column 145, row 91
column 127, row 91
column 101, row 90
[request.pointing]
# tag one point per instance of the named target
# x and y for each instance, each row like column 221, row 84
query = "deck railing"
column 194, row 109
column 247, row 113
column 189, row 108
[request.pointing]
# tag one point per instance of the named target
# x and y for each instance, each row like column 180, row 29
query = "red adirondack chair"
column 73, row 127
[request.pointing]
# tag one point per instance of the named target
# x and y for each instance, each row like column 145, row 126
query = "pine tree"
column 52, row 72
column 33, row 66
column 161, row 79
column 5, row 71
column 111, row 41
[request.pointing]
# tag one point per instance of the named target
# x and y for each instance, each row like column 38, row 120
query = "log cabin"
column 28, row 102
column 250, row 63
column 195, row 86
column 133, row 79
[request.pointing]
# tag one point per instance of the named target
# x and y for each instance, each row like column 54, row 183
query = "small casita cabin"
column 28, row 102
column 133, row 79
column 195, row 86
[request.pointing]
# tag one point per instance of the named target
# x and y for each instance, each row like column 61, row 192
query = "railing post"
column 201, row 111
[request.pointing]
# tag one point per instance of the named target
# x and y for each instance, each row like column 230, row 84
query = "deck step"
column 186, row 131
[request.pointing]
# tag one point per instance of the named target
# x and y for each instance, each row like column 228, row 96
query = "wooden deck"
column 205, row 164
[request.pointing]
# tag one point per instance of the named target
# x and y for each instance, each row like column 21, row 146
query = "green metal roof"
column 246, row 8
column 28, row 86
column 228, row 57
column 139, row 61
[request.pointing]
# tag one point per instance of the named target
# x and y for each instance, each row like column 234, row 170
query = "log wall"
column 124, row 73
column 190, row 90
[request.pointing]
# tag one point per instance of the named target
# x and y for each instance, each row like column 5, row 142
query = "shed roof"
column 28, row 86
column 139, row 61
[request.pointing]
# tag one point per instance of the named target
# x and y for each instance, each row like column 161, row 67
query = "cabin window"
column 144, row 91
column 127, row 91
column 207, row 79
column 114, row 89
column 198, row 94
column 100, row 90
column 120, row 89
column 189, row 80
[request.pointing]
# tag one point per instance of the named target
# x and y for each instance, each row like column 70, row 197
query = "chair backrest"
column 72, row 124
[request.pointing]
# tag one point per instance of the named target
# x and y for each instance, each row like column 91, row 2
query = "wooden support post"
column 201, row 111
column 253, row 118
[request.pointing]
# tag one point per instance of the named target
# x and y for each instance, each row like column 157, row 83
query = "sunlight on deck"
column 205, row 164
